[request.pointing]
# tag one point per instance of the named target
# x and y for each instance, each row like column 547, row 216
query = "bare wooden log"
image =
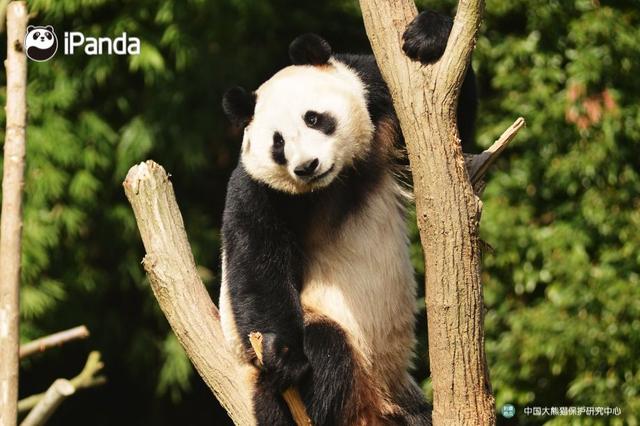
column 291, row 396
column 56, row 339
column 447, row 208
column 88, row 377
column 53, row 397
column 182, row 297
column 11, row 214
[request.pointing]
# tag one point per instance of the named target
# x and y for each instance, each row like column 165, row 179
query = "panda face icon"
column 41, row 43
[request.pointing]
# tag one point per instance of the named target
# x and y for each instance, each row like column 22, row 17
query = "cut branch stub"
column 478, row 165
column 53, row 397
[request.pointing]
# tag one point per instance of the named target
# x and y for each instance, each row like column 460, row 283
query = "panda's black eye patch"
column 278, row 140
column 36, row 34
column 322, row 121
column 277, row 149
column 49, row 36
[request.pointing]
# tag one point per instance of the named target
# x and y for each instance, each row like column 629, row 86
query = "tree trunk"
column 11, row 216
column 447, row 209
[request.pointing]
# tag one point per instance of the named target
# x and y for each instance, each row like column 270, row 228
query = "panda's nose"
column 307, row 168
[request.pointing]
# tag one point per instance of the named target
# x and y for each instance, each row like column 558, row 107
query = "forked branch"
column 88, row 377
column 447, row 208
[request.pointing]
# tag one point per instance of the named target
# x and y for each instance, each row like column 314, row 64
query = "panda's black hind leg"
column 425, row 38
column 328, row 391
column 270, row 409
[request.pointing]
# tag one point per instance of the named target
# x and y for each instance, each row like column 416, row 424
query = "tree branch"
column 462, row 40
column 87, row 378
column 56, row 339
column 478, row 165
column 57, row 392
column 182, row 297
column 11, row 214
column 447, row 209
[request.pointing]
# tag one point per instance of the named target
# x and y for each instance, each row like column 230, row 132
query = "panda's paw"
column 282, row 365
column 425, row 38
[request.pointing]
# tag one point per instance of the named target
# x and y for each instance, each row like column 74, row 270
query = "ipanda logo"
column 41, row 44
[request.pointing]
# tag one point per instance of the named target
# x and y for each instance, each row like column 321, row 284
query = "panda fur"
column 315, row 246
column 41, row 43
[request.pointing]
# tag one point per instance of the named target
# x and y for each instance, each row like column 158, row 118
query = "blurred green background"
column 562, row 208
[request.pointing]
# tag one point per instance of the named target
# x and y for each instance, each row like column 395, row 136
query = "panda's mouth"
column 322, row 175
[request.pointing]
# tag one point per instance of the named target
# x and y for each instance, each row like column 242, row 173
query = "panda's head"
column 304, row 125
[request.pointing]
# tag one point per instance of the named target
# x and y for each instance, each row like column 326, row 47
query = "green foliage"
column 562, row 212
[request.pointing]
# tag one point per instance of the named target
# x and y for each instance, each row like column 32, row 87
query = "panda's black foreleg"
column 425, row 40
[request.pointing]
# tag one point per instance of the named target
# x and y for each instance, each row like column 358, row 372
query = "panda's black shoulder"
column 379, row 100
column 243, row 193
column 254, row 206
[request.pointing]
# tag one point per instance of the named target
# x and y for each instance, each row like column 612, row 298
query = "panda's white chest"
column 362, row 278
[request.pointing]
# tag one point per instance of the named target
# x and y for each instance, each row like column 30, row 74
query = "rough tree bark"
column 11, row 219
column 447, row 209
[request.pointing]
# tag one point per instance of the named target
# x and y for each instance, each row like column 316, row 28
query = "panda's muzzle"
column 310, row 172
column 307, row 169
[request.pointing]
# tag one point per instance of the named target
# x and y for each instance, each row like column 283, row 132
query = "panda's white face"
column 40, row 38
column 309, row 123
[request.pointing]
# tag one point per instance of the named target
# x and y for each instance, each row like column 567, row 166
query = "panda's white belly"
column 362, row 278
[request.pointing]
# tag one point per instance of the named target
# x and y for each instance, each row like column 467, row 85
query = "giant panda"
column 315, row 252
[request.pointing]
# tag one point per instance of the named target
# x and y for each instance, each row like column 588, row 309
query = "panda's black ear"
column 238, row 105
column 49, row 28
column 309, row 49
column 30, row 28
